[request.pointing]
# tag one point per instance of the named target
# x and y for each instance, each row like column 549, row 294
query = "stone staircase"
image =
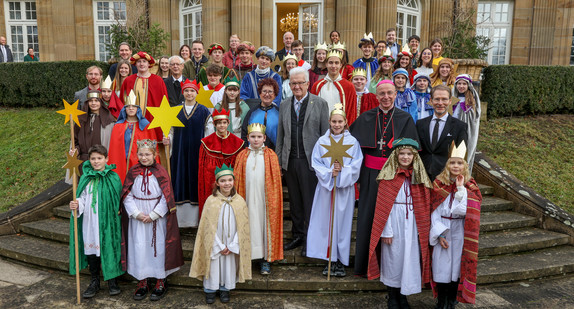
column 511, row 248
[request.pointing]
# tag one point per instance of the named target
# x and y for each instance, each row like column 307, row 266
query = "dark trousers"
column 366, row 212
column 301, row 183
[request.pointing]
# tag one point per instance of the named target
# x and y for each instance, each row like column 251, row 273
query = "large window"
column 494, row 20
column 22, row 27
column 309, row 29
column 190, row 21
column 408, row 19
column 572, row 49
column 106, row 14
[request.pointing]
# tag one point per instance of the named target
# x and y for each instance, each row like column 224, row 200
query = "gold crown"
column 335, row 53
column 147, row 144
column 256, row 127
column 339, row 45
column 338, row 110
column 359, row 72
column 94, row 94
column 107, row 83
column 131, row 99
column 323, row 46
column 290, row 56
column 458, row 152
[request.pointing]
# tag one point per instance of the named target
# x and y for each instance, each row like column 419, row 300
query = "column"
column 215, row 14
column 382, row 15
column 440, row 16
column 352, row 23
column 267, row 24
column 83, row 24
column 160, row 13
column 246, row 20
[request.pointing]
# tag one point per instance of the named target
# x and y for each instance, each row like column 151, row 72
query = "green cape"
column 108, row 190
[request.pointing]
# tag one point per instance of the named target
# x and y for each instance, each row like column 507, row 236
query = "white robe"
column 223, row 268
column 215, row 98
column 90, row 221
column 400, row 261
column 319, row 225
column 141, row 260
column 472, row 119
column 330, row 93
column 446, row 262
column 255, row 198
column 286, row 90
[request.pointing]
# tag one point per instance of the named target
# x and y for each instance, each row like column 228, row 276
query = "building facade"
column 530, row 32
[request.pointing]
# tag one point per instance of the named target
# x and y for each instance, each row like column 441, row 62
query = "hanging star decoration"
column 73, row 163
column 71, row 111
column 336, row 151
column 203, row 97
column 165, row 116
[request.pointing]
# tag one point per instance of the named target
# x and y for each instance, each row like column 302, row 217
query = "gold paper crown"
column 256, row 127
column 94, row 94
column 131, row 99
column 458, row 152
column 335, row 53
column 107, row 83
column 338, row 110
column 224, row 170
column 323, row 46
column 290, row 56
column 359, row 72
column 147, row 144
column 339, row 45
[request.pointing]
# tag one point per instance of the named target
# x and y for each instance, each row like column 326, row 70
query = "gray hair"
column 299, row 70
column 176, row 57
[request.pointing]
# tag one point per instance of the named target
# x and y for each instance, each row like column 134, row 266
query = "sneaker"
column 339, row 270
column 113, row 287
column 93, row 288
column 209, row 298
column 326, row 269
column 224, row 296
column 265, row 268
column 141, row 290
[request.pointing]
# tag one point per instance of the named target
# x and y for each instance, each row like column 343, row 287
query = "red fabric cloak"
column 347, row 94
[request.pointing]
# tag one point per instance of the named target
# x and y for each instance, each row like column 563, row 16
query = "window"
column 190, row 21
column 494, row 20
column 22, row 28
column 408, row 19
column 106, row 13
column 309, row 29
column 572, row 49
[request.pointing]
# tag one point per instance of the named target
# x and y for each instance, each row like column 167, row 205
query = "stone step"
column 36, row 251
column 504, row 220
column 52, row 229
column 62, row 211
column 527, row 265
column 491, row 203
column 518, row 240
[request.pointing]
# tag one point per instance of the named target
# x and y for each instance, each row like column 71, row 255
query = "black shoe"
column 403, row 302
column 224, row 296
column 209, row 298
column 141, row 290
column 159, row 290
column 297, row 242
column 93, row 288
column 339, row 270
column 113, row 287
column 393, row 298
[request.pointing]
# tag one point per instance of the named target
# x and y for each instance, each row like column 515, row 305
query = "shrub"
column 528, row 90
column 34, row 84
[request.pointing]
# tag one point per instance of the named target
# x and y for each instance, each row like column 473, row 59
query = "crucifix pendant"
column 381, row 144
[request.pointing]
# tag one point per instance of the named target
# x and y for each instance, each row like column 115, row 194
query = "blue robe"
column 407, row 101
column 370, row 65
column 424, row 108
column 185, row 154
column 266, row 116
column 249, row 85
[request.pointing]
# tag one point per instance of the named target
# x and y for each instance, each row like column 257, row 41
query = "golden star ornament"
column 204, row 97
column 71, row 111
column 336, row 151
column 73, row 163
column 165, row 116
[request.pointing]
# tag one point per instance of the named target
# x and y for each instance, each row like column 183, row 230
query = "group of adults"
column 6, row 53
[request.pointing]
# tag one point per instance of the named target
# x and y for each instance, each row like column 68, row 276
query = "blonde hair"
column 444, row 176
column 435, row 76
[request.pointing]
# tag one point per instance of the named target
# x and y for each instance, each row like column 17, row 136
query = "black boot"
column 94, row 267
column 159, row 290
column 393, row 301
column 113, row 287
column 404, row 304
column 442, row 291
column 452, row 293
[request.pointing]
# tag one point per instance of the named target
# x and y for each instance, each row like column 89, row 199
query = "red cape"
column 386, row 195
column 115, row 105
column 347, row 94
column 214, row 152
column 467, row 283
column 173, row 250
column 347, row 72
column 155, row 93
column 117, row 152
column 368, row 101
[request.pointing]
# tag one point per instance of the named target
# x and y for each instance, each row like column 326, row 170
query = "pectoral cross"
column 381, row 144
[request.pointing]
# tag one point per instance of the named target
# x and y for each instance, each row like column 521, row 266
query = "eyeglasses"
column 268, row 92
column 297, row 84
column 175, row 64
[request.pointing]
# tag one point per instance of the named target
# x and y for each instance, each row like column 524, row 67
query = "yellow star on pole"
column 165, row 116
column 71, row 110
column 204, row 97
column 336, row 151
column 73, row 163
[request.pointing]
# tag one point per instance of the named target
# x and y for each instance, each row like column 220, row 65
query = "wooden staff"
column 74, row 189
column 331, row 220
column 131, row 147
column 167, row 155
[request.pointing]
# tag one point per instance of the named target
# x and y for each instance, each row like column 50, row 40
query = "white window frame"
column 192, row 10
column 301, row 3
column 106, row 23
column 572, row 49
column 407, row 11
column 25, row 23
column 487, row 25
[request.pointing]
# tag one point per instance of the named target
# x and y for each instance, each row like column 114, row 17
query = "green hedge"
column 528, row 90
column 33, row 84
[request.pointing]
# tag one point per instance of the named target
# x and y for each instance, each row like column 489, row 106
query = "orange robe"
column 273, row 198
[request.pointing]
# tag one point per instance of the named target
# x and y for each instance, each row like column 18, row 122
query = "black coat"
column 175, row 97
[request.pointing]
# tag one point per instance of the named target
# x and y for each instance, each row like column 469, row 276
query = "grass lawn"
column 537, row 150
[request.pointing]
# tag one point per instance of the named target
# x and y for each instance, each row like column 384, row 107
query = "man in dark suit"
column 173, row 82
column 288, row 39
column 5, row 52
column 437, row 132
column 303, row 118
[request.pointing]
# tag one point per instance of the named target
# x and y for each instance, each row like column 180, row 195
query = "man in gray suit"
column 5, row 52
column 303, row 118
column 94, row 77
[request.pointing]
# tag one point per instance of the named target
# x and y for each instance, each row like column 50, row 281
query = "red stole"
column 347, row 94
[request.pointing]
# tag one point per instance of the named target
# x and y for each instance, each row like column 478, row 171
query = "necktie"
column 177, row 87
column 297, row 108
column 434, row 139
